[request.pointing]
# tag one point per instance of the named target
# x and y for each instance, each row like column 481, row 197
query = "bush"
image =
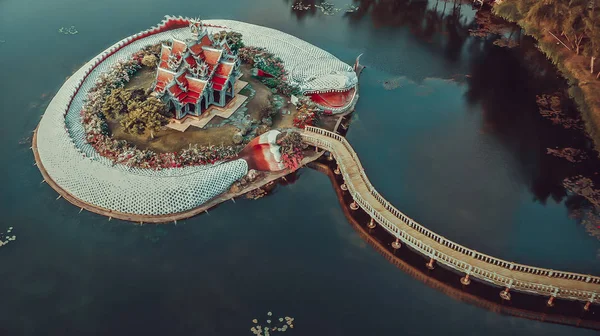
column 150, row 61
column 508, row 10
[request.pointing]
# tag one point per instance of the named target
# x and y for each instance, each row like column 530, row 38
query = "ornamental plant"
column 261, row 59
column 305, row 115
column 120, row 151
column 291, row 150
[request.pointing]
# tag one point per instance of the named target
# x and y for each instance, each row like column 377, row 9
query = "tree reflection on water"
column 504, row 82
column 310, row 10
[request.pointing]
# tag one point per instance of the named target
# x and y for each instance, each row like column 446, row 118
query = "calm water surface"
column 457, row 145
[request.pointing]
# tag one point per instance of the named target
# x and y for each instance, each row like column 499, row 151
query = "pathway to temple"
column 506, row 274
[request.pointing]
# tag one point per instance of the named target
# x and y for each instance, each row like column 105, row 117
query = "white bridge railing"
column 513, row 275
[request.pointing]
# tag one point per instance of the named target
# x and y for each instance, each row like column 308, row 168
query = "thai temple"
column 197, row 73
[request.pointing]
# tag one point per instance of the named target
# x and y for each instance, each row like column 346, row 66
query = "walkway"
column 511, row 276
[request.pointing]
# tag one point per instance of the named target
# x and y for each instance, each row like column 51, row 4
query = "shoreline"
column 583, row 87
column 158, row 219
column 119, row 191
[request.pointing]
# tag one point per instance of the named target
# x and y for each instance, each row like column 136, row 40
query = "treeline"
column 573, row 23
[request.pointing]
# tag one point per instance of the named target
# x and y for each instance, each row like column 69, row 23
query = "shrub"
column 150, row 61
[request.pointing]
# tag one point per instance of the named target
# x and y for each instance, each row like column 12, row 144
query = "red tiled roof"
column 163, row 78
column 165, row 52
column 212, row 56
column 191, row 61
column 196, row 49
column 219, row 82
column 175, row 91
column 178, row 47
column 224, row 69
column 196, row 85
column 184, row 87
column 182, row 79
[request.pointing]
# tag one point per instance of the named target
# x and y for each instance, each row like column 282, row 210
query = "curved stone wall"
column 80, row 171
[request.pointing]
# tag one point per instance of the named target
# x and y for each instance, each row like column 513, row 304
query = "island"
column 178, row 118
column 186, row 115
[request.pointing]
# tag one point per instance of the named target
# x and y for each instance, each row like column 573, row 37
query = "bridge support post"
column 550, row 302
column 429, row 265
column 587, row 306
column 354, row 205
column 505, row 295
column 330, row 157
column 337, row 170
column 396, row 245
column 344, row 187
column 465, row 280
column 371, row 224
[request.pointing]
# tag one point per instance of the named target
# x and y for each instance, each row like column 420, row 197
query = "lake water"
column 455, row 141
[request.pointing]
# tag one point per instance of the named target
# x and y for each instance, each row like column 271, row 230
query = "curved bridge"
column 511, row 276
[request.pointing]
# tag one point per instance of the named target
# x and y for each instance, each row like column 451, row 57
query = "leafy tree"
column 116, row 102
column 573, row 22
column 233, row 39
column 144, row 115
column 150, row 61
column 550, row 12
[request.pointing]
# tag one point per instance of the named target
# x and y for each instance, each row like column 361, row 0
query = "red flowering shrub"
column 291, row 150
column 305, row 115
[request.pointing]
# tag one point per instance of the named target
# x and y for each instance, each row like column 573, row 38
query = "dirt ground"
column 142, row 79
column 169, row 140
column 263, row 93
column 261, row 100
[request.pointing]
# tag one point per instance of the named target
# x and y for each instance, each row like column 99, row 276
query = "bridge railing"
column 468, row 256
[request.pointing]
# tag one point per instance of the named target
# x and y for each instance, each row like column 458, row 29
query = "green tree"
column 116, row 102
column 550, row 13
column 234, row 39
column 150, row 61
column 147, row 115
column 572, row 22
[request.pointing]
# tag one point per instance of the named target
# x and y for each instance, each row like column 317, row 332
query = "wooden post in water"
column 371, row 224
column 396, row 245
column 429, row 265
column 353, row 205
column 505, row 295
column 465, row 280
column 550, row 302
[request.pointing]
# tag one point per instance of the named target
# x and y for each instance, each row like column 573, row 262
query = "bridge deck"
column 487, row 268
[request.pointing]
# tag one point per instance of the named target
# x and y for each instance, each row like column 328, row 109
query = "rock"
column 262, row 129
column 267, row 121
column 255, row 321
column 252, row 175
column 238, row 138
column 235, row 188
